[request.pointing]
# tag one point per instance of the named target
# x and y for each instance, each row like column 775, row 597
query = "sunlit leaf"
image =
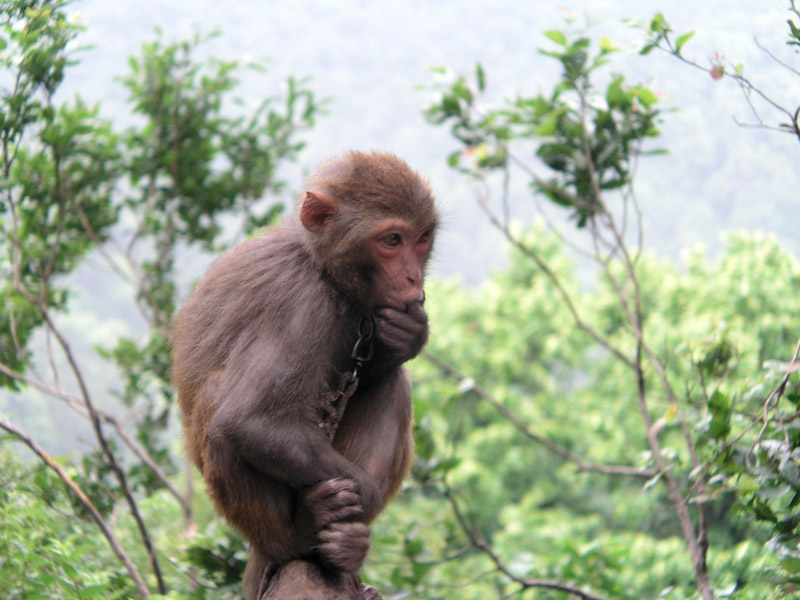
column 557, row 36
column 681, row 40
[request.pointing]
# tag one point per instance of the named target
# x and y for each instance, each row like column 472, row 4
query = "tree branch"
column 775, row 395
column 555, row 280
column 697, row 542
column 76, row 404
column 745, row 84
column 83, row 499
column 480, row 543
column 111, row 461
column 564, row 453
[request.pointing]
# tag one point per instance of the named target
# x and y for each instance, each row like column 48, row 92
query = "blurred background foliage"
column 591, row 421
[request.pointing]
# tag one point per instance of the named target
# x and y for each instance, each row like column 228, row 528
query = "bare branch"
column 556, row 281
column 480, row 543
column 76, row 404
column 696, row 553
column 775, row 395
column 697, row 542
column 100, row 245
column 775, row 58
column 111, row 460
column 537, row 200
column 746, row 85
column 582, row 464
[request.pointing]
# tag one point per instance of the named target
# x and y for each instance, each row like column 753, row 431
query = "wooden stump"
column 301, row 580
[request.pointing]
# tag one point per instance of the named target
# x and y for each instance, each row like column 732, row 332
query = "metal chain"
column 363, row 350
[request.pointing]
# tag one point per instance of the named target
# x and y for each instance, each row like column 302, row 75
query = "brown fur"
column 266, row 335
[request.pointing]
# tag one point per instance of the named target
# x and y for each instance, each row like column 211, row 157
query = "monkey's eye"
column 424, row 237
column 393, row 239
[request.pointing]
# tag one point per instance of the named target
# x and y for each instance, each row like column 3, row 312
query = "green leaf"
column 446, row 465
column 454, row 158
column 606, row 45
column 549, row 125
column 480, row 76
column 719, row 428
column 645, row 95
column 616, row 95
column 557, row 36
column 413, row 546
column 719, row 402
column 658, row 24
column 682, row 39
column 419, row 570
column 647, row 49
column 794, row 29
column 791, row 564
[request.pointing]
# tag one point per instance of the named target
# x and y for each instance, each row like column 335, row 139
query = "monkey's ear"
column 316, row 210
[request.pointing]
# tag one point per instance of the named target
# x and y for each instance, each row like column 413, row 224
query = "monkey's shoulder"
column 270, row 277
column 258, row 267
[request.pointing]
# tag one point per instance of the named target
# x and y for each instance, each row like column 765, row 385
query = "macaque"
column 330, row 299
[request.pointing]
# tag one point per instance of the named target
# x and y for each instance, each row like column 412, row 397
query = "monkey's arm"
column 294, row 495
column 271, row 423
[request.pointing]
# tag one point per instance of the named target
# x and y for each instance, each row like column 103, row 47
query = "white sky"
column 370, row 56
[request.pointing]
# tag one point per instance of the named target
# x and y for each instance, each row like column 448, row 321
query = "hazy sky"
column 371, row 58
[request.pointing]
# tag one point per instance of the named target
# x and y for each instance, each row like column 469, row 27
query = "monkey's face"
column 399, row 250
column 369, row 222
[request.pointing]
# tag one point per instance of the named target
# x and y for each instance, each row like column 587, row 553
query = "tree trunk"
column 301, row 580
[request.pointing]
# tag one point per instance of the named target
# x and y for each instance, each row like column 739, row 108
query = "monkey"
column 331, row 297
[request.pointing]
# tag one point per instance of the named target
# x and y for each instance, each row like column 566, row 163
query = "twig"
column 775, row 58
column 99, row 245
column 556, row 281
column 76, row 404
column 745, row 84
column 696, row 553
column 775, row 394
column 111, row 461
column 697, row 542
column 481, row 544
column 78, row 493
column 582, row 465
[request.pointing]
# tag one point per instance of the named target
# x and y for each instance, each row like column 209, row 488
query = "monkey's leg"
column 257, row 575
column 327, row 518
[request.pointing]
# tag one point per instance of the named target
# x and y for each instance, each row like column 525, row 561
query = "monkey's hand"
column 328, row 518
column 402, row 333
column 330, row 501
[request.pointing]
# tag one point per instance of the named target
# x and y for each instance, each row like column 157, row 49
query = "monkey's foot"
column 344, row 545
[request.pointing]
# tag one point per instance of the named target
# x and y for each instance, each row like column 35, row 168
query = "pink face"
column 400, row 250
